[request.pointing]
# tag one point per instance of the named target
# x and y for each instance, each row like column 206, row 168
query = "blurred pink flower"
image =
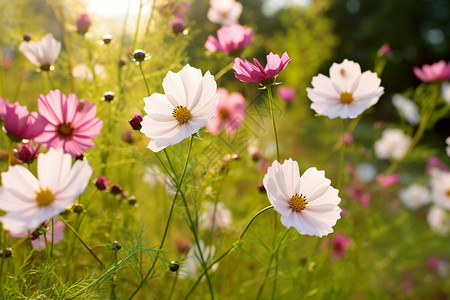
column 58, row 235
column 3, row 103
column 71, row 126
column 83, row 23
column 20, row 124
column 434, row 163
column 178, row 24
column 436, row 71
column 384, row 50
column 387, row 180
column 230, row 112
column 287, row 94
column 348, row 138
column 340, row 245
column 26, row 153
column 230, row 39
column 247, row 72
column 358, row 193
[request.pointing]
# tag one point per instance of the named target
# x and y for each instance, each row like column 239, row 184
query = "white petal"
column 74, row 184
column 19, row 182
column 53, row 167
column 313, row 184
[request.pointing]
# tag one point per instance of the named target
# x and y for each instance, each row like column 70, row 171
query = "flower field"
column 224, row 149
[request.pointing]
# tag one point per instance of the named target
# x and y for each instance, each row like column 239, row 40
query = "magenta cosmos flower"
column 230, row 112
column 20, row 124
column 230, row 39
column 436, row 71
column 71, row 126
column 247, row 72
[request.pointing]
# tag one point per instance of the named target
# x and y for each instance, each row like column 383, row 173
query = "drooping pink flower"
column 230, row 112
column 71, row 126
column 230, row 39
column 340, row 244
column 287, row 94
column 26, row 153
column 83, row 23
column 436, row 71
column 20, row 124
column 248, row 72
column 434, row 163
column 388, row 180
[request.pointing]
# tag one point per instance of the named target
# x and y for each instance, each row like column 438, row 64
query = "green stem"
column 138, row 21
column 166, row 230
column 269, row 94
column 228, row 250
column 145, row 80
column 2, row 258
column 173, row 286
column 341, row 163
column 224, row 70
column 81, row 240
column 53, row 237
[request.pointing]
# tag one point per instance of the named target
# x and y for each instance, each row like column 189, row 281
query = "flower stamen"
column 298, row 203
column 181, row 113
column 44, row 197
column 65, row 129
column 346, row 97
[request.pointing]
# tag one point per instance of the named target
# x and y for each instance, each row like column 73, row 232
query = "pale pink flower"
column 287, row 94
column 388, row 180
column 224, row 12
column 248, row 72
column 71, row 126
column 43, row 53
column 340, row 244
column 58, row 235
column 20, row 124
column 229, row 39
column 3, row 103
column 434, row 72
column 230, row 112
column 435, row 164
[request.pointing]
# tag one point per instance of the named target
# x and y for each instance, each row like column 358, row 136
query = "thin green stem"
column 166, row 230
column 224, row 70
column 145, row 79
column 341, row 162
column 53, row 237
column 138, row 21
column 81, row 240
column 269, row 94
column 173, row 286
column 227, row 251
column 3, row 256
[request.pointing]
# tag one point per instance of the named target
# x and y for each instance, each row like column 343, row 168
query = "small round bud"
column 178, row 24
column 132, row 200
column 122, row 62
column 79, row 157
column 139, row 55
column 107, row 39
column 109, row 96
column 135, row 122
column 261, row 187
column 102, row 183
column 27, row 37
column 116, row 246
column 174, row 266
column 83, row 23
column 6, row 253
column 125, row 194
column 256, row 156
column 236, row 156
column 78, row 208
column 116, row 189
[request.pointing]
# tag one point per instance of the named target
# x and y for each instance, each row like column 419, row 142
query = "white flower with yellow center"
column 43, row 53
column 29, row 201
column 224, row 12
column 393, row 144
column 188, row 104
column 346, row 93
column 307, row 203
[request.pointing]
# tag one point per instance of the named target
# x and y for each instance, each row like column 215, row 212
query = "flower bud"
column 109, row 96
column 116, row 189
column 116, row 246
column 83, row 23
column 174, row 266
column 135, row 122
column 139, row 55
column 261, row 187
column 178, row 24
column 102, row 183
column 384, row 50
column 132, row 200
column 26, row 153
column 78, row 208
column 27, row 37
column 107, row 39
column 6, row 253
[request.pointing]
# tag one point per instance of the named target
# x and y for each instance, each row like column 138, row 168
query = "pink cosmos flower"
column 20, row 124
column 26, row 153
column 436, row 71
column 435, row 164
column 230, row 39
column 71, row 126
column 387, row 180
column 384, row 50
column 340, row 245
column 287, row 94
column 247, row 72
column 3, row 103
column 230, row 112
column 38, row 243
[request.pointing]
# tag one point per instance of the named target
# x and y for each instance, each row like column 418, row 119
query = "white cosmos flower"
column 439, row 220
column 346, row 93
column 407, row 108
column 445, row 91
column 43, row 53
column 415, row 195
column 393, row 144
column 192, row 265
column 440, row 188
column 365, row 172
column 215, row 216
column 188, row 105
column 447, row 140
column 307, row 203
column 29, row 201
column 224, row 12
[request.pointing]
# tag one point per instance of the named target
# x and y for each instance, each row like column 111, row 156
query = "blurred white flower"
column 192, row 265
column 447, row 140
column 218, row 215
column 307, row 203
column 154, row 174
column 440, row 187
column 439, row 220
column 29, row 201
column 365, row 172
column 415, row 195
column 43, row 53
column 346, row 93
column 407, row 109
column 188, row 105
column 445, row 91
column 224, row 12
column 82, row 72
column 393, row 144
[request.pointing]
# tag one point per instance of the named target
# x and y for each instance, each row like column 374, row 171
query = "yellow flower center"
column 182, row 114
column 65, row 129
column 448, row 193
column 224, row 14
column 346, row 97
column 298, row 203
column 44, row 197
column 224, row 113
